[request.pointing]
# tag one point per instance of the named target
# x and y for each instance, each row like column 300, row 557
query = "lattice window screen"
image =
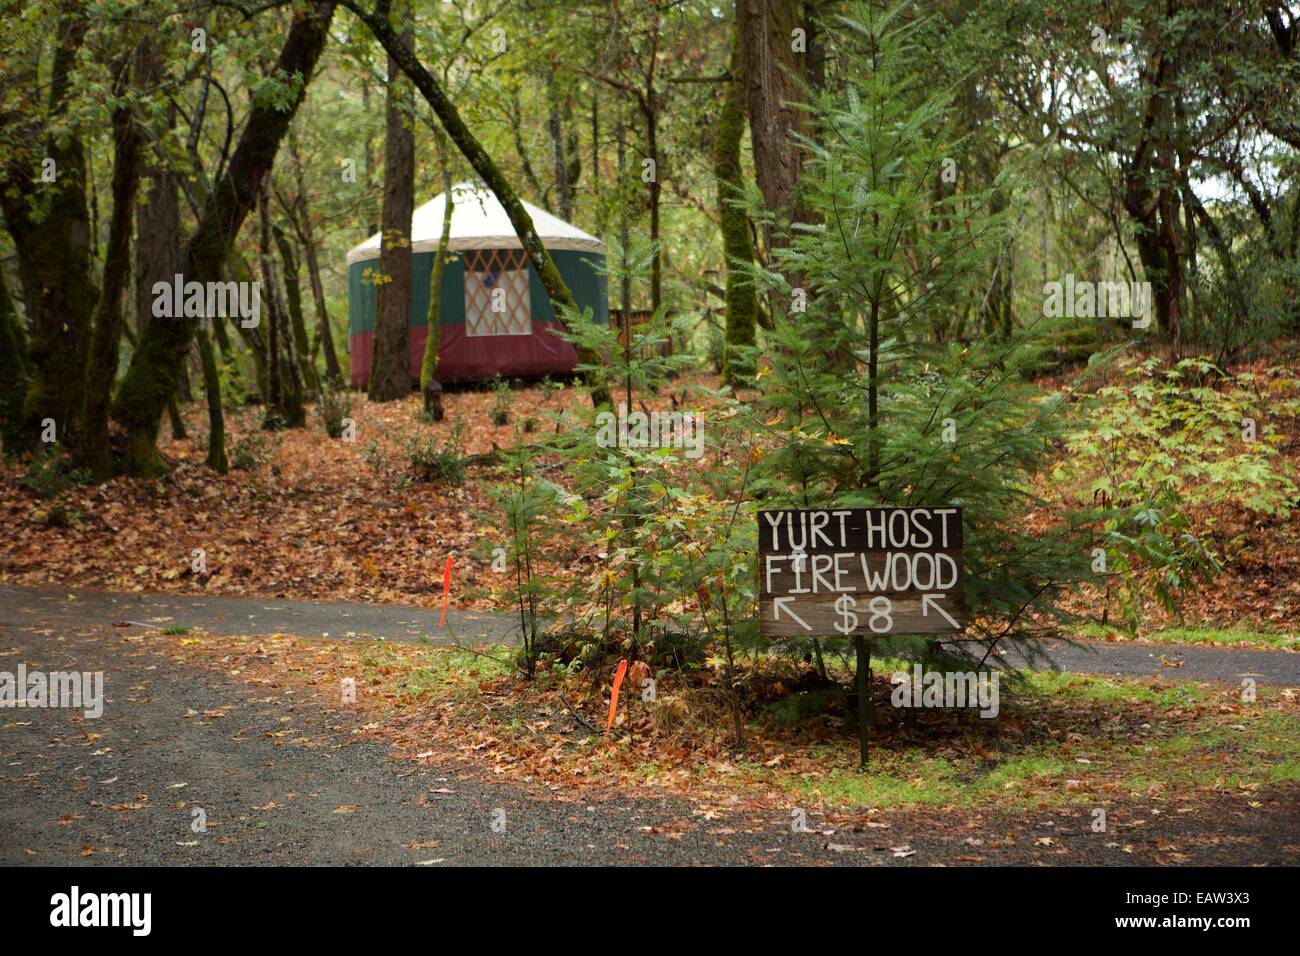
column 490, row 269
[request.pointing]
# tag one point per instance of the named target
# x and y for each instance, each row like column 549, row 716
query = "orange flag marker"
column 613, row 697
column 446, row 591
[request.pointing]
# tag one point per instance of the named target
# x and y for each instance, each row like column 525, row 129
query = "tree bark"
column 178, row 423
column 52, row 238
column 155, row 365
column 216, row 459
column 390, row 364
column 656, row 253
column 293, row 295
column 15, row 372
column 741, row 298
column 773, row 76
column 301, row 217
column 95, row 450
column 325, row 334
column 237, row 268
column 1149, row 182
column 560, row 163
column 158, row 212
column 274, row 416
column 430, row 389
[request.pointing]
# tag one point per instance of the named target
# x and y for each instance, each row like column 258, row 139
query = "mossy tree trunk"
column 293, row 296
column 285, row 409
column 561, row 299
column 15, row 372
column 254, row 338
column 157, row 222
column 740, row 298
column 390, row 363
column 94, row 448
column 158, row 212
column 300, row 217
column 429, row 386
column 178, row 423
column 324, row 334
column 216, row 459
column 51, row 229
column 155, row 365
column 282, row 402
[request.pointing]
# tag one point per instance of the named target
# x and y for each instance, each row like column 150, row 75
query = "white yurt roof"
column 479, row 221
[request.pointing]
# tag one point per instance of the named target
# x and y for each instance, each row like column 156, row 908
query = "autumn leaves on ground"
column 305, row 516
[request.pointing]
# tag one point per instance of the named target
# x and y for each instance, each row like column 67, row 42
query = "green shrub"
column 335, row 406
column 1165, row 430
column 250, row 452
column 714, row 346
column 50, row 474
column 60, row 516
column 550, row 388
column 436, row 462
column 501, row 402
column 1160, row 455
column 375, row 457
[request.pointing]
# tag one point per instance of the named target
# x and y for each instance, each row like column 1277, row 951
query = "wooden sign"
column 860, row 571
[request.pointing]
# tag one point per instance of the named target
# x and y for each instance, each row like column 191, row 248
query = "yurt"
column 496, row 318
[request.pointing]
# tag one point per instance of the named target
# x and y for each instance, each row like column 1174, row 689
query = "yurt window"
column 496, row 293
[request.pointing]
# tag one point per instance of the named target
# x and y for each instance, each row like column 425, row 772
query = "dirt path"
column 67, row 607
column 283, row 782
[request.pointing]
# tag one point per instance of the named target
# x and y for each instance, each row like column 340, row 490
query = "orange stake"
column 613, row 697
column 446, row 591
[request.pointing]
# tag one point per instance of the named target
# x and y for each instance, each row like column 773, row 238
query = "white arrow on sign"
column 932, row 601
column 779, row 605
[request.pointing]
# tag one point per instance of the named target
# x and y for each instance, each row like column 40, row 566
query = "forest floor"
column 312, row 518
column 249, row 723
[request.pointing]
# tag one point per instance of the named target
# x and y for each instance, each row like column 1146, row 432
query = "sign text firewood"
column 869, row 571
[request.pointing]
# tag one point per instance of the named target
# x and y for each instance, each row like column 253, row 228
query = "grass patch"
column 1198, row 635
column 440, row 668
column 1103, row 690
column 896, row 779
column 1085, row 738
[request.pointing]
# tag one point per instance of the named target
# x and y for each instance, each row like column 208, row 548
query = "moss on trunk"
column 51, row 229
column 429, row 367
column 293, row 295
column 253, row 338
column 155, row 367
column 95, row 450
column 216, row 417
column 740, row 297
column 14, row 376
column 390, row 357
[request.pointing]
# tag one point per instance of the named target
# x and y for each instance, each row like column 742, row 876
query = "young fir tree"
column 860, row 407
column 622, row 476
column 526, row 503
